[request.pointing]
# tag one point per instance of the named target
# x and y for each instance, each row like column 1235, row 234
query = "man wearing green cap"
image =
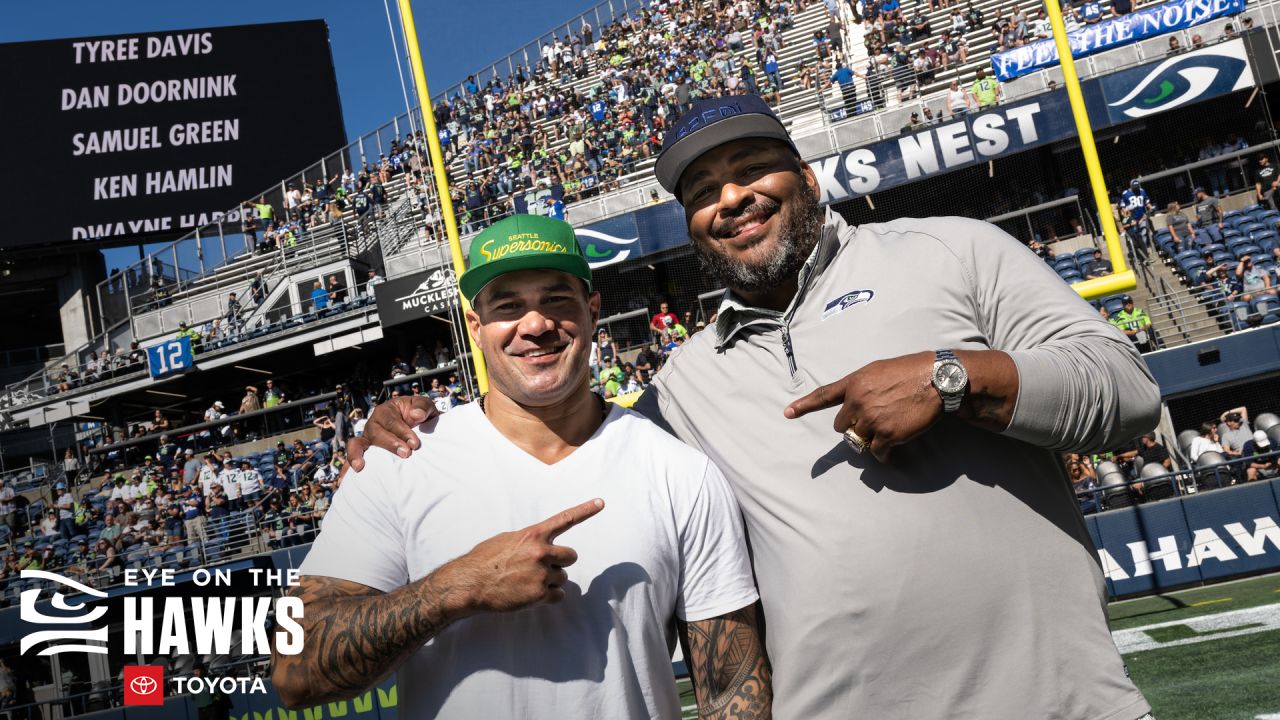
column 418, row 566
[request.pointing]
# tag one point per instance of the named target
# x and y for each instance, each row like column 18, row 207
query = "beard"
column 801, row 227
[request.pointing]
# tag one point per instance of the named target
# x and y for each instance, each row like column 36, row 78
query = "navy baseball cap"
column 710, row 123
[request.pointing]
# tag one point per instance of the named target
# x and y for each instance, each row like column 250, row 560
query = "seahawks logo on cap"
column 1185, row 79
column 603, row 249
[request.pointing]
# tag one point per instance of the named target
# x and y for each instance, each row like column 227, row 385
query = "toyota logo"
column 143, row 685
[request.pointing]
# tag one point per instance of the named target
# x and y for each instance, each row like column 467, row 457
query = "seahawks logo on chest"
column 846, row 301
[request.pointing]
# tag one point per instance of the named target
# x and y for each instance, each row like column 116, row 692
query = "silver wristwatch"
column 950, row 378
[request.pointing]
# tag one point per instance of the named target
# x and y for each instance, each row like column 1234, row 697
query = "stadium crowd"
column 535, row 130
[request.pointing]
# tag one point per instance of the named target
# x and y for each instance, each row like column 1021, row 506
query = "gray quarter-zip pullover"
column 957, row 581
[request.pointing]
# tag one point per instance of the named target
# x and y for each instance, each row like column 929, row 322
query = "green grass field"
column 1210, row 653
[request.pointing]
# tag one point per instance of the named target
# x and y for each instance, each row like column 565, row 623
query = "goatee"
column 801, row 226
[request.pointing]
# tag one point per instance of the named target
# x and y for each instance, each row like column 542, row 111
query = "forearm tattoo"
column 729, row 668
column 356, row 635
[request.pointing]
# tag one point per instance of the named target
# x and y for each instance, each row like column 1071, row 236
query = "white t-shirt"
column 1201, row 445
column 230, row 480
column 669, row 542
column 250, row 481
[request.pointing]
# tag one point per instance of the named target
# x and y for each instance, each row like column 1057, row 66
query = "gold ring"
column 854, row 441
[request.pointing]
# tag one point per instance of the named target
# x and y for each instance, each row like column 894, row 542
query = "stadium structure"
column 343, row 293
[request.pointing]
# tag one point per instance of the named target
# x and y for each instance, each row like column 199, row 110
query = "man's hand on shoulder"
column 390, row 427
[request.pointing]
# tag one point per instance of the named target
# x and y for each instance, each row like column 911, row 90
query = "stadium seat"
column 1222, row 256
column 1213, row 248
column 1251, row 227
column 1084, row 254
column 1239, row 312
column 1265, row 306
column 1118, row 498
column 1113, row 303
column 1065, row 263
column 1070, row 276
column 1193, row 270
column 1266, row 421
column 1241, row 250
column 1186, row 255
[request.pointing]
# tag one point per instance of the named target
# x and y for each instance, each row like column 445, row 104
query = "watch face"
column 950, row 377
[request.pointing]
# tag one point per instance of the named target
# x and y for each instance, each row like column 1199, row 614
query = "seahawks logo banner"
column 1178, row 81
column 646, row 231
column 410, row 297
column 1113, row 33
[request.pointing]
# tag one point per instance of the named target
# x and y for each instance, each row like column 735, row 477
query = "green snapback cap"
column 523, row 242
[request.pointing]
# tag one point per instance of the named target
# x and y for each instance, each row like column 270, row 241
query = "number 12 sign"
column 169, row 357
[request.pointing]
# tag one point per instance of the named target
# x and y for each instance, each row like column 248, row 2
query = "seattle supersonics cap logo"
column 603, row 249
column 1185, row 79
column 29, row 614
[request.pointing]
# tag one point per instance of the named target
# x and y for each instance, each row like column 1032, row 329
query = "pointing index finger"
column 824, row 397
column 553, row 526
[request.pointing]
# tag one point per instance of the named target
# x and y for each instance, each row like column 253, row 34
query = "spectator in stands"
column 372, row 280
column 985, row 91
column 1153, row 453
column 250, row 484
column 1221, row 286
column 1100, row 267
column 1180, row 229
column 1237, row 433
column 1175, row 47
column 843, row 76
column 1208, row 216
column 1266, row 181
column 337, row 291
column 66, row 505
column 29, row 560
column 319, row 297
column 110, row 531
column 1206, row 441
column 250, row 402
column 663, row 320
column 1254, row 281
column 190, row 467
column 49, row 523
column 191, row 334
column 108, row 564
column 8, row 508
column 1263, row 465
column 958, row 101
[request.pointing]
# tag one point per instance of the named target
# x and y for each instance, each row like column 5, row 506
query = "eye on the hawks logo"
column 143, row 685
column 29, row 614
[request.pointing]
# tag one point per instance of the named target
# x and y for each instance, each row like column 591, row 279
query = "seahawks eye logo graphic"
column 603, row 249
column 1185, row 79
column 30, row 614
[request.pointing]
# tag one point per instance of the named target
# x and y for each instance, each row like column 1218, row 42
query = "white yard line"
column 1218, row 625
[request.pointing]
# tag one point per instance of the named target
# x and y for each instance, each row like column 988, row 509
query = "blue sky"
column 457, row 37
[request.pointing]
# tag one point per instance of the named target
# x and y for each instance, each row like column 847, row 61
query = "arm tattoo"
column 729, row 668
column 355, row 636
